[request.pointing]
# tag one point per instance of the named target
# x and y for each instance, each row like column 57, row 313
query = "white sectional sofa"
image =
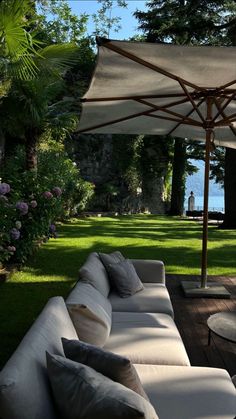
column 140, row 327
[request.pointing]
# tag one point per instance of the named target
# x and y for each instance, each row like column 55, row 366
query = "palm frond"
column 55, row 59
column 15, row 42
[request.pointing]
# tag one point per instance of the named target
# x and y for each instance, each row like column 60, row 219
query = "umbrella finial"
column 101, row 40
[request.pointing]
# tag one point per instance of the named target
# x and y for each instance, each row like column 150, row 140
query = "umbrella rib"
column 107, row 99
column 146, row 113
column 226, row 121
column 223, row 114
column 108, row 44
column 114, row 98
column 115, row 121
column 175, row 120
column 230, row 83
column 192, row 101
column 188, row 114
column 224, row 106
column 163, row 109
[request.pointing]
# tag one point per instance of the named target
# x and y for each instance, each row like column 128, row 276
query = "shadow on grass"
column 64, row 261
column 143, row 228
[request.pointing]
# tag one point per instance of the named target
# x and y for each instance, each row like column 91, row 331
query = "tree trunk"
column 154, row 161
column 230, row 189
column 31, row 137
column 178, row 178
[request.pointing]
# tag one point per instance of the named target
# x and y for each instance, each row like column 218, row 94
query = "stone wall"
column 98, row 163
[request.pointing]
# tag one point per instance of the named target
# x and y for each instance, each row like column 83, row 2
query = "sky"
column 129, row 23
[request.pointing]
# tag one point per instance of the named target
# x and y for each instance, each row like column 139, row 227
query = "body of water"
column 216, row 203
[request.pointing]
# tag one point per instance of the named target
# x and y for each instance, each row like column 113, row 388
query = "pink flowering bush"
column 22, row 207
column 26, row 221
column 57, row 191
column 33, row 203
column 14, row 234
column 48, row 195
column 30, row 204
column 4, row 188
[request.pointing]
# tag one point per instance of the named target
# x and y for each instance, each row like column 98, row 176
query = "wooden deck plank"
column 191, row 316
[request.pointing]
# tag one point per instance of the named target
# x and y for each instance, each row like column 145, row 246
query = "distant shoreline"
column 216, row 203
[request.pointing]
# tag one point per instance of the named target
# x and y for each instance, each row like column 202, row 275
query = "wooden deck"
column 191, row 315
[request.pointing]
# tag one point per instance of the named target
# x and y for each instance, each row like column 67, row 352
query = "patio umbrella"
column 165, row 89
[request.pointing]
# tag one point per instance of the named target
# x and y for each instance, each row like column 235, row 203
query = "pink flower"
column 23, row 207
column 48, row 195
column 11, row 249
column 4, row 188
column 15, row 234
column 33, row 203
column 57, row 191
column 52, row 228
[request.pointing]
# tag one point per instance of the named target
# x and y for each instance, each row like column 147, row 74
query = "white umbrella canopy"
column 164, row 89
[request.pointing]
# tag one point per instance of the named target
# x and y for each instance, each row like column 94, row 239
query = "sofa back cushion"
column 91, row 313
column 24, row 385
column 94, row 273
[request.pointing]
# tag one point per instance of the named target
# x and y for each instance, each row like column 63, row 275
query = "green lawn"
column 54, row 268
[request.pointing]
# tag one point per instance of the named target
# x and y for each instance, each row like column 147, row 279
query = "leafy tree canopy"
column 105, row 20
column 58, row 23
column 188, row 21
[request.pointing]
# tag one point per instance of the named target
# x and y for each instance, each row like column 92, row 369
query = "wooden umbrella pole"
column 209, row 131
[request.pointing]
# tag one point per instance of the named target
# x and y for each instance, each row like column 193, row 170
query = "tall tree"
column 189, row 22
column 56, row 23
column 105, row 20
column 230, row 161
column 178, row 178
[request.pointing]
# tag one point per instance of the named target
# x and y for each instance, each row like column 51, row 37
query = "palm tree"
column 31, row 78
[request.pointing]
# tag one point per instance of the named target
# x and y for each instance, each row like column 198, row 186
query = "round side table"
column 223, row 324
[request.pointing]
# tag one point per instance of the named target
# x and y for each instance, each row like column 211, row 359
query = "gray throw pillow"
column 116, row 367
column 110, row 258
column 124, row 278
column 81, row 392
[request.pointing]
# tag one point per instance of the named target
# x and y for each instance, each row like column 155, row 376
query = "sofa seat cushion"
column 81, row 392
column 93, row 272
column 154, row 298
column 189, row 393
column 24, row 385
column 146, row 338
column 90, row 312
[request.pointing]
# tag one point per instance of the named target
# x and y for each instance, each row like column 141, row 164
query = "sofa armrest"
column 150, row 270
